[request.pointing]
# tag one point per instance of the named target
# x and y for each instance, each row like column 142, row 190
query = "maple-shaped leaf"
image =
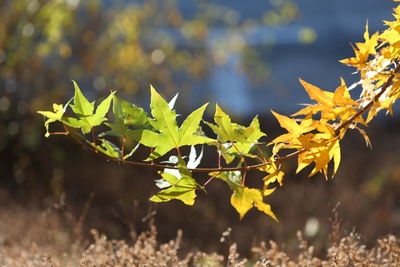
column 331, row 105
column 235, row 139
column 324, row 100
column 342, row 96
column 315, row 93
column 58, row 115
column 130, row 114
column 170, row 136
column 274, row 173
column 182, row 187
column 363, row 50
column 321, row 155
column 294, row 129
column 126, row 115
column 244, row 198
column 84, row 110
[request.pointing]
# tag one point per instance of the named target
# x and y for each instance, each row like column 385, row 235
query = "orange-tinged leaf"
column 342, row 96
column 317, row 94
column 312, row 109
column 321, row 154
column 294, row 129
column 285, row 122
column 335, row 154
column 363, row 50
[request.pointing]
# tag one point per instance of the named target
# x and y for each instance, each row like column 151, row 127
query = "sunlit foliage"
column 313, row 134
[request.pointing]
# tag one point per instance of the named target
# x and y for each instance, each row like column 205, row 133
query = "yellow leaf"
column 244, row 198
column 289, row 124
column 295, row 130
column 317, row 94
column 342, row 96
column 276, row 176
column 363, row 50
column 311, row 109
column 321, row 149
column 335, row 154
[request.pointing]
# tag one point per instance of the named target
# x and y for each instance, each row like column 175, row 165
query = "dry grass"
column 33, row 238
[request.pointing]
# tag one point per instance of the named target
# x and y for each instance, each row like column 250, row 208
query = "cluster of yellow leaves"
column 375, row 59
column 314, row 132
column 314, row 137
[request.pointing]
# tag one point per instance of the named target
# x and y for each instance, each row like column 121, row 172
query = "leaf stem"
column 94, row 140
column 59, row 133
column 244, row 162
column 264, row 159
column 151, row 152
column 219, row 156
column 179, row 151
column 123, row 147
column 208, row 181
column 244, row 177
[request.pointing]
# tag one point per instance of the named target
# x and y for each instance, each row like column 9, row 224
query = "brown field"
column 41, row 238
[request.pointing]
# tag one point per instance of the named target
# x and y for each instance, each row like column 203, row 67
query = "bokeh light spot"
column 157, row 56
column 13, row 128
column 307, row 35
column 99, row 83
column 4, row 103
column 28, row 30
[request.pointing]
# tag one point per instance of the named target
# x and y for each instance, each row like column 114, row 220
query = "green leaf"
column 83, row 109
column 228, row 132
column 126, row 114
column 169, row 135
column 109, row 149
column 182, row 186
column 130, row 114
column 253, row 133
column 99, row 116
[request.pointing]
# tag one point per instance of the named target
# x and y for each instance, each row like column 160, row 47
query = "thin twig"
column 209, row 180
column 371, row 103
column 244, row 178
column 59, row 133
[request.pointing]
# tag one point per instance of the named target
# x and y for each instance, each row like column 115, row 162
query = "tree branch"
column 246, row 168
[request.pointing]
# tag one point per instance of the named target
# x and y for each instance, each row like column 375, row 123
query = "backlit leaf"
column 244, row 198
column 169, row 135
column 58, row 115
column 234, row 139
column 83, row 109
column 182, row 187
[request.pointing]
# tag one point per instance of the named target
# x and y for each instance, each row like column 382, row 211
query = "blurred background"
column 247, row 56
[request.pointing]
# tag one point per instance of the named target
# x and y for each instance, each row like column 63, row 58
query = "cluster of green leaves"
column 313, row 133
column 129, row 124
